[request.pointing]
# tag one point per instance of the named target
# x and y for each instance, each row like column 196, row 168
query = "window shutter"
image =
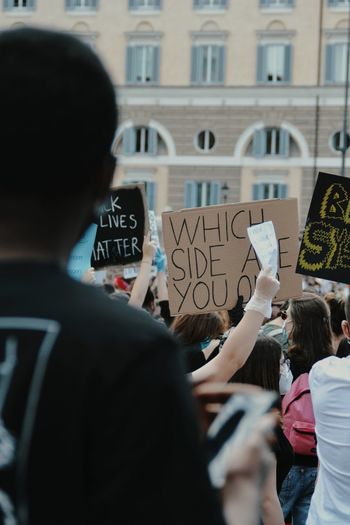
column 129, row 141
column 221, row 68
column 260, row 64
column 215, row 190
column 132, row 4
column 259, row 143
column 31, row 4
column 287, row 63
column 290, row 3
column 332, row 3
column 158, row 4
column 284, row 142
column 156, row 64
column 8, row 4
column 69, row 4
column 194, row 64
column 129, row 66
column 152, row 141
column 151, row 194
column 257, row 192
column 223, row 3
column 264, row 3
column 197, row 4
column 282, row 191
column 190, row 194
column 329, row 64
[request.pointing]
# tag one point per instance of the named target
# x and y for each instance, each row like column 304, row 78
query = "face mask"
column 286, row 379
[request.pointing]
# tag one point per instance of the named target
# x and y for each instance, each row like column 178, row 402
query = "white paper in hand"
column 263, row 238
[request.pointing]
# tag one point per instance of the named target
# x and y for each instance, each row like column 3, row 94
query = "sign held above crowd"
column 122, row 224
column 325, row 247
column 211, row 260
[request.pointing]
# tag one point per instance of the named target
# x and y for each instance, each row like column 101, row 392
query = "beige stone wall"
column 243, row 21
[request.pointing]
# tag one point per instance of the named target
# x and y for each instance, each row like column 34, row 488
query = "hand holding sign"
column 263, row 238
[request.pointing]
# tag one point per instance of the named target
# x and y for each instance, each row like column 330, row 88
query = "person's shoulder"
column 330, row 370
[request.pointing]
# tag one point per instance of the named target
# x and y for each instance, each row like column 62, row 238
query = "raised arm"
column 241, row 340
column 140, row 287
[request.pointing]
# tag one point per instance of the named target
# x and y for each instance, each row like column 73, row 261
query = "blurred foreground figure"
column 96, row 421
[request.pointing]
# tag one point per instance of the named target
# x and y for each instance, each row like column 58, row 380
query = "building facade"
column 221, row 100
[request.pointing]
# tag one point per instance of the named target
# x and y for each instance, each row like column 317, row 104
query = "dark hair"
column 347, row 309
column 58, row 114
column 311, row 332
column 337, row 309
column 195, row 328
column 262, row 367
column 343, row 349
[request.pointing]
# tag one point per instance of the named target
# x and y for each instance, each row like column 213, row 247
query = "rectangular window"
column 274, row 63
column 23, row 5
column 208, row 64
column 269, row 190
column 209, row 4
column 81, row 5
column 143, row 5
column 142, row 64
column 276, row 3
column 142, row 140
column 199, row 194
column 336, row 63
column 338, row 3
column 271, row 141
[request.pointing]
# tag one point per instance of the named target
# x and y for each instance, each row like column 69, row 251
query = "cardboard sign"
column 121, row 227
column 80, row 258
column 325, row 248
column 211, row 260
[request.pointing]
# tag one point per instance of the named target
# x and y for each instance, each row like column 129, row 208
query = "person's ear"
column 346, row 329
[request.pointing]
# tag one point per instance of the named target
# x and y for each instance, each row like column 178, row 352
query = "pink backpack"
column 298, row 417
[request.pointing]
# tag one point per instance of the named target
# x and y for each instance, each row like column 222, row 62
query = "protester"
column 97, row 425
column 309, row 332
column 275, row 329
column 265, row 367
column 330, row 387
column 241, row 340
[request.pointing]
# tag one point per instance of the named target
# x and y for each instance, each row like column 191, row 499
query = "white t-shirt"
column 330, row 390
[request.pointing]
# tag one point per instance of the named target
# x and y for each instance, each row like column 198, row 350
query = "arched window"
column 140, row 140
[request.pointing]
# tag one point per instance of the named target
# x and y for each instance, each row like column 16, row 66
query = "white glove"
column 265, row 290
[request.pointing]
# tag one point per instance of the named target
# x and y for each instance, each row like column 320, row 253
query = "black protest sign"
column 211, row 260
column 325, row 247
column 121, row 227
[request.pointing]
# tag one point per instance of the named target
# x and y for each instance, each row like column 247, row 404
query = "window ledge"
column 211, row 11
column 19, row 12
column 339, row 9
column 276, row 10
column 81, row 12
column 145, row 12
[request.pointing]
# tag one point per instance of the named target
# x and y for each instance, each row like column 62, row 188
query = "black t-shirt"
column 98, row 410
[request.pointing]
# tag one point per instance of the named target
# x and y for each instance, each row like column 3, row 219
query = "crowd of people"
column 112, row 411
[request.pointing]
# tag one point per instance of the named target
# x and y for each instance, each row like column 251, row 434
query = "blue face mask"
column 205, row 343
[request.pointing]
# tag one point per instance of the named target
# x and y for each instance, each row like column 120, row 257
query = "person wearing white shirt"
column 329, row 381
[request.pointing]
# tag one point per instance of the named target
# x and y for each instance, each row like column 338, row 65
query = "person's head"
column 263, row 366
column 346, row 321
column 337, row 311
column 308, row 327
column 193, row 329
column 58, row 120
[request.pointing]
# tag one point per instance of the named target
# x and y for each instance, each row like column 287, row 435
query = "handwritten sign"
column 325, row 247
column 121, row 227
column 79, row 260
column 211, row 260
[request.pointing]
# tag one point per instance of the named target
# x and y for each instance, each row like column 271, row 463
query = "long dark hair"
column 311, row 334
column 262, row 367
